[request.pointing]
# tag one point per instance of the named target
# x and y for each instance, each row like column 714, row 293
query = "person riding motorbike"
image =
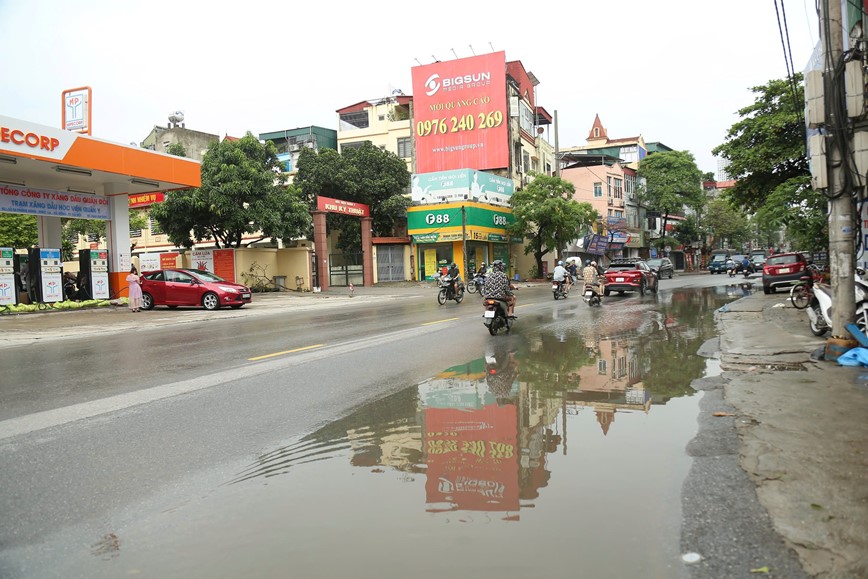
column 573, row 270
column 456, row 279
column 746, row 266
column 592, row 279
column 497, row 287
column 561, row 274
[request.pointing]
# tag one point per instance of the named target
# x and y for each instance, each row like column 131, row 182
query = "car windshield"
column 206, row 275
column 654, row 262
column 737, row 258
column 719, row 257
column 782, row 259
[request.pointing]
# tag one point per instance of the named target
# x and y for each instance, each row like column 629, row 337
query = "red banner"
column 341, row 206
column 168, row 260
column 472, row 457
column 145, row 199
column 460, row 114
column 224, row 263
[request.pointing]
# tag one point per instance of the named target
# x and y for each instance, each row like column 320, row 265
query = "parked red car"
column 630, row 276
column 783, row 269
column 191, row 287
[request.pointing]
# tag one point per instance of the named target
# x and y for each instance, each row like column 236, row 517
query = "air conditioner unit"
column 294, row 148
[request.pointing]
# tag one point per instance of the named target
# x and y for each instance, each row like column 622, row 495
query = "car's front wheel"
column 210, row 301
column 147, row 301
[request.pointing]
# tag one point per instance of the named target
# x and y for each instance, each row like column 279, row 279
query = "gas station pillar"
column 118, row 241
column 320, row 246
column 49, row 232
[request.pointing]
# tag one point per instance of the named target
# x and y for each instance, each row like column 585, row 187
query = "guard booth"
column 53, row 174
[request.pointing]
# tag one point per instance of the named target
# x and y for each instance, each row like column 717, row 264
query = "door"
column 390, row 263
column 181, row 289
column 346, row 269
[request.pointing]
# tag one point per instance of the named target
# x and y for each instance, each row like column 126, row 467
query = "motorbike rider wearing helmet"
column 591, row 278
column 561, row 274
column 456, row 279
column 497, row 287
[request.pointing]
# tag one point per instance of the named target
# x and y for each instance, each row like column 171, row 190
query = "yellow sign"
column 430, row 262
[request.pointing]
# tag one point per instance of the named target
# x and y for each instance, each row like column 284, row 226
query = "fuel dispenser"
column 94, row 273
column 8, row 287
column 44, row 275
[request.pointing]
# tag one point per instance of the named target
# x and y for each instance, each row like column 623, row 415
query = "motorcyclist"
column 746, row 267
column 561, row 274
column 592, row 278
column 572, row 269
column 497, row 287
column 730, row 265
column 456, row 279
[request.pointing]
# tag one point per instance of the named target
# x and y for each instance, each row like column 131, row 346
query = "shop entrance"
column 390, row 263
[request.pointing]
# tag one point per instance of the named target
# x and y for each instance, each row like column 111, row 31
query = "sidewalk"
column 803, row 432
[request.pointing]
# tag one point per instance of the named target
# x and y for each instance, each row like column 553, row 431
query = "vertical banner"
column 460, row 114
column 168, row 260
column 52, row 285
column 224, row 264
column 430, row 264
column 7, row 277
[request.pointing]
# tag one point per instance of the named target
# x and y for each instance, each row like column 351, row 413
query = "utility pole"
column 841, row 204
column 557, row 148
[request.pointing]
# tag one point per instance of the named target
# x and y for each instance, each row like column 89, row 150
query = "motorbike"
column 820, row 309
column 591, row 295
column 494, row 317
column 559, row 289
column 730, row 269
column 476, row 283
column 450, row 290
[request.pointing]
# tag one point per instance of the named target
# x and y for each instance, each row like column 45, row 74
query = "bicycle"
column 802, row 293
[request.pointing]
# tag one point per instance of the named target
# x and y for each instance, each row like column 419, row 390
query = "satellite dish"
column 176, row 117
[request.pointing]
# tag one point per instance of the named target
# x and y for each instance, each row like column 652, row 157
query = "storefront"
column 467, row 233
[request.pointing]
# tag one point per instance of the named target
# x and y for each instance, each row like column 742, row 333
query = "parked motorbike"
column 559, row 289
column 450, row 290
column 476, row 284
column 494, row 317
column 820, row 309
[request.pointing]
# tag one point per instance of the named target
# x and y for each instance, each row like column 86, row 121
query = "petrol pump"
column 8, row 289
column 44, row 275
column 94, row 271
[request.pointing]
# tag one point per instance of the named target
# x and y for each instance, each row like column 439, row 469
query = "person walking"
column 135, row 286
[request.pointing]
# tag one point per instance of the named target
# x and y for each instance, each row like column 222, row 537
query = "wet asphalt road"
column 170, row 414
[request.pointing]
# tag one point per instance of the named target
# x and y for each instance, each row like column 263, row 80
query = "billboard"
column 460, row 114
column 459, row 185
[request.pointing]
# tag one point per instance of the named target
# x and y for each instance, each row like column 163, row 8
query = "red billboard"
column 460, row 114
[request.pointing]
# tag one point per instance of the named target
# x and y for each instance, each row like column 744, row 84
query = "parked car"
column 758, row 258
column 630, row 276
column 718, row 263
column 663, row 266
column 783, row 269
column 191, row 287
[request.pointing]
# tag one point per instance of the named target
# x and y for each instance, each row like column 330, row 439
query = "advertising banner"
column 202, row 259
column 18, row 199
column 596, row 244
column 460, row 185
column 145, row 199
column 224, row 264
column 460, row 113
column 7, row 277
column 148, row 262
column 343, row 207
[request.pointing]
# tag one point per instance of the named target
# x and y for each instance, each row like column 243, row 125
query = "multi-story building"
column 290, row 142
column 195, row 143
column 385, row 123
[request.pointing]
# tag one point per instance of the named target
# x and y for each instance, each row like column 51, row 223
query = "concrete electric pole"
column 841, row 201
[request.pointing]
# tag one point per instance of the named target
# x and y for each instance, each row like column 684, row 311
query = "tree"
column 708, row 176
column 547, row 215
column 723, row 221
column 672, row 182
column 365, row 174
column 243, row 191
column 18, row 231
column 176, row 149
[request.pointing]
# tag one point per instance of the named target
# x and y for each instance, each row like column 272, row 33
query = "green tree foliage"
column 176, row 149
column 365, row 174
column 673, row 182
column 687, row 231
column 242, row 192
column 18, row 231
column 724, row 222
column 766, row 148
column 708, row 176
column 547, row 215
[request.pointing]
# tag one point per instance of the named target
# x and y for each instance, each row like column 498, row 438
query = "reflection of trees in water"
column 552, row 361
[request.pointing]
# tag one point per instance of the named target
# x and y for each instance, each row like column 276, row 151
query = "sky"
column 673, row 71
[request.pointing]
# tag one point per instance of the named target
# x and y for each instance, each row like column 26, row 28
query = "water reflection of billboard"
column 472, row 459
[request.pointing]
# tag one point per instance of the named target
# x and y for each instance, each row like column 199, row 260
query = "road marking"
column 285, row 352
column 439, row 321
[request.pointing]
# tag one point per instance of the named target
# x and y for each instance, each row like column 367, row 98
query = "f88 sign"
column 460, row 114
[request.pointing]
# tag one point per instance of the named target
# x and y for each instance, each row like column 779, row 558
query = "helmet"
column 560, row 263
column 587, row 262
column 498, row 265
column 593, row 263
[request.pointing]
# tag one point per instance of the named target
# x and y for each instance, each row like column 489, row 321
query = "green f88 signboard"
column 448, row 216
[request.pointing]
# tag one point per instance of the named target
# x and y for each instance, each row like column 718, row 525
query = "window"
column 135, row 232
column 629, row 186
column 405, row 147
column 629, row 154
column 525, row 158
column 72, row 237
column 619, row 193
column 596, row 132
column 353, row 145
column 93, row 237
column 608, row 186
column 155, row 227
column 598, row 189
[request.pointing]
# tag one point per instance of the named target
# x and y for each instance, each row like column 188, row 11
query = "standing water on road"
column 559, row 453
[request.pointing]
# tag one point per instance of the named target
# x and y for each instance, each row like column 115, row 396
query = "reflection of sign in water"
column 472, row 458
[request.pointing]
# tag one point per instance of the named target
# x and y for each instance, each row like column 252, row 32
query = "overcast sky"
column 674, row 71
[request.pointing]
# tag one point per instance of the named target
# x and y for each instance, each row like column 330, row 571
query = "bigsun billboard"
column 460, row 114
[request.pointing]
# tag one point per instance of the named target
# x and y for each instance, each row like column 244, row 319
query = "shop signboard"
column 21, row 199
column 460, row 113
column 146, row 199
column 596, row 244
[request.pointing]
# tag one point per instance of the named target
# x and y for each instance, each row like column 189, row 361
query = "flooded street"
column 558, row 451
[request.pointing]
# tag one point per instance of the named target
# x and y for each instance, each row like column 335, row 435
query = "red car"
column 783, row 269
column 630, row 276
column 191, row 287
